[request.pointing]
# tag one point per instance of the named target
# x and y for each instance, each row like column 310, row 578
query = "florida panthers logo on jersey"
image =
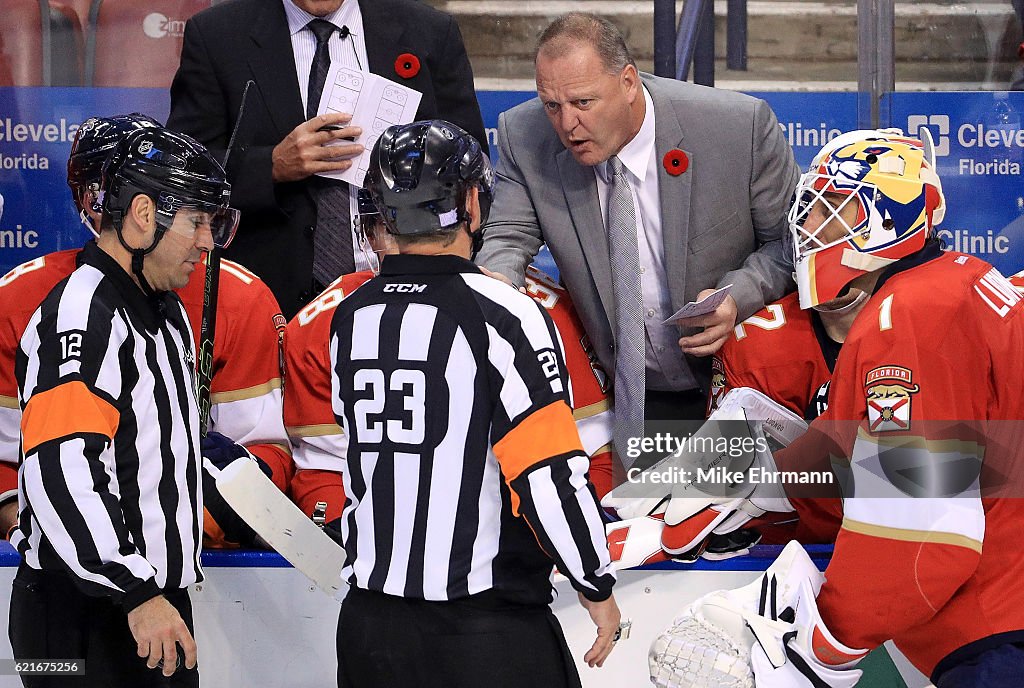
column 889, row 390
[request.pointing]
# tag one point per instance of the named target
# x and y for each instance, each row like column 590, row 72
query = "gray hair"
column 584, row 27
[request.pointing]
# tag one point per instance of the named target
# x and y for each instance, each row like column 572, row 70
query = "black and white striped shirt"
column 109, row 484
column 464, row 469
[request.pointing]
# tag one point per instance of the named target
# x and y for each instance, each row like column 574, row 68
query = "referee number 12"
column 71, row 345
column 412, row 383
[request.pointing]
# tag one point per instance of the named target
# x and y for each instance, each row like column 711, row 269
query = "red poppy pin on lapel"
column 676, row 162
column 407, row 65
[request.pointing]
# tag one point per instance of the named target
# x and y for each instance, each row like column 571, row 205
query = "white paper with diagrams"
column 375, row 104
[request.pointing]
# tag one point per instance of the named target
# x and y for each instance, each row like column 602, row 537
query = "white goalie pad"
column 708, row 645
column 274, row 517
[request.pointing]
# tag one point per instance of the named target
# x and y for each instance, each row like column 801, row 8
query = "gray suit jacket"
column 724, row 219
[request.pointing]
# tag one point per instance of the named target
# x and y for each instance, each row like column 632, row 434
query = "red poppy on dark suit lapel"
column 676, row 162
column 407, row 65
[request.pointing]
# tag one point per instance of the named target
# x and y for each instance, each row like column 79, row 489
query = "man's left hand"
column 717, row 326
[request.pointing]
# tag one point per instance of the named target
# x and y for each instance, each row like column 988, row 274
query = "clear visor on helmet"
column 189, row 217
column 817, row 218
column 89, row 202
column 369, row 229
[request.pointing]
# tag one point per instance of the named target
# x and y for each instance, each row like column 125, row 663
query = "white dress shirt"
column 666, row 367
column 349, row 51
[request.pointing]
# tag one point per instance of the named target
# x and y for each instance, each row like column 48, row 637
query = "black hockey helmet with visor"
column 94, row 140
column 178, row 173
column 420, row 173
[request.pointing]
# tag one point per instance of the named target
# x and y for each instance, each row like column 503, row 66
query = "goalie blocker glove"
column 221, row 451
column 693, row 511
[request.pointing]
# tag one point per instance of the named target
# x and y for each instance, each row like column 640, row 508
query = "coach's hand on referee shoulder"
column 156, row 626
column 605, row 615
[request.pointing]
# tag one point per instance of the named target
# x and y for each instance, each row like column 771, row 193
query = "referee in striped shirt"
column 465, row 477
column 110, row 505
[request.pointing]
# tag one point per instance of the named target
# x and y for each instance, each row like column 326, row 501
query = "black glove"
column 235, row 529
column 333, row 530
column 221, row 451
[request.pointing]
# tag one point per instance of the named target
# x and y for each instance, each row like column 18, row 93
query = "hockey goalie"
column 923, row 426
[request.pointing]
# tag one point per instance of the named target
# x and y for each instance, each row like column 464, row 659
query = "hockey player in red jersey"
column 924, row 413
column 246, row 386
column 783, row 351
column 317, row 441
column 788, row 354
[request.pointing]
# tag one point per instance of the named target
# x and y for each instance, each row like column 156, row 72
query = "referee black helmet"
column 174, row 170
column 420, row 173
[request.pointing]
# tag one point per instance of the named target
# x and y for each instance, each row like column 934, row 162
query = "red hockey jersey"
column 781, row 351
column 245, row 393
column 925, row 387
column 246, row 387
column 21, row 291
column 784, row 353
column 317, row 441
column 1018, row 280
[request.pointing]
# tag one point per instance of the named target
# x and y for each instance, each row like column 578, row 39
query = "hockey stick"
column 244, row 487
column 284, row 526
column 208, row 326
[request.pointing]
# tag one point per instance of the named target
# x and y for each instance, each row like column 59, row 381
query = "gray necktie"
column 630, row 359
column 332, row 240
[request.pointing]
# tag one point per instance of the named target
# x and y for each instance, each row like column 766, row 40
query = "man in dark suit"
column 280, row 145
column 703, row 179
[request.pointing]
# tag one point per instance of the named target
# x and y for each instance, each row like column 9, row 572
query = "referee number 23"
column 412, row 385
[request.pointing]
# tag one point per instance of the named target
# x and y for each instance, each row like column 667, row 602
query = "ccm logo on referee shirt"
column 402, row 288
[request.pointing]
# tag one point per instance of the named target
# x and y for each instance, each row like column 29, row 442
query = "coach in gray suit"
column 711, row 177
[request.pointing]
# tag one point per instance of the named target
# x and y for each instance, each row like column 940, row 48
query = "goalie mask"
column 94, row 140
column 868, row 199
column 420, row 173
column 178, row 174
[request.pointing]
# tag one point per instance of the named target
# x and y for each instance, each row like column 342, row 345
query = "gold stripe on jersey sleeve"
column 967, row 448
column 592, row 410
column 602, row 450
column 929, row 537
column 9, row 402
column 287, row 450
column 314, row 430
column 238, row 271
column 247, row 393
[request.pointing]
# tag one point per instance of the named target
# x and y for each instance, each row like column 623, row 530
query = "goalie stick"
column 273, row 516
column 208, row 325
column 244, row 487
